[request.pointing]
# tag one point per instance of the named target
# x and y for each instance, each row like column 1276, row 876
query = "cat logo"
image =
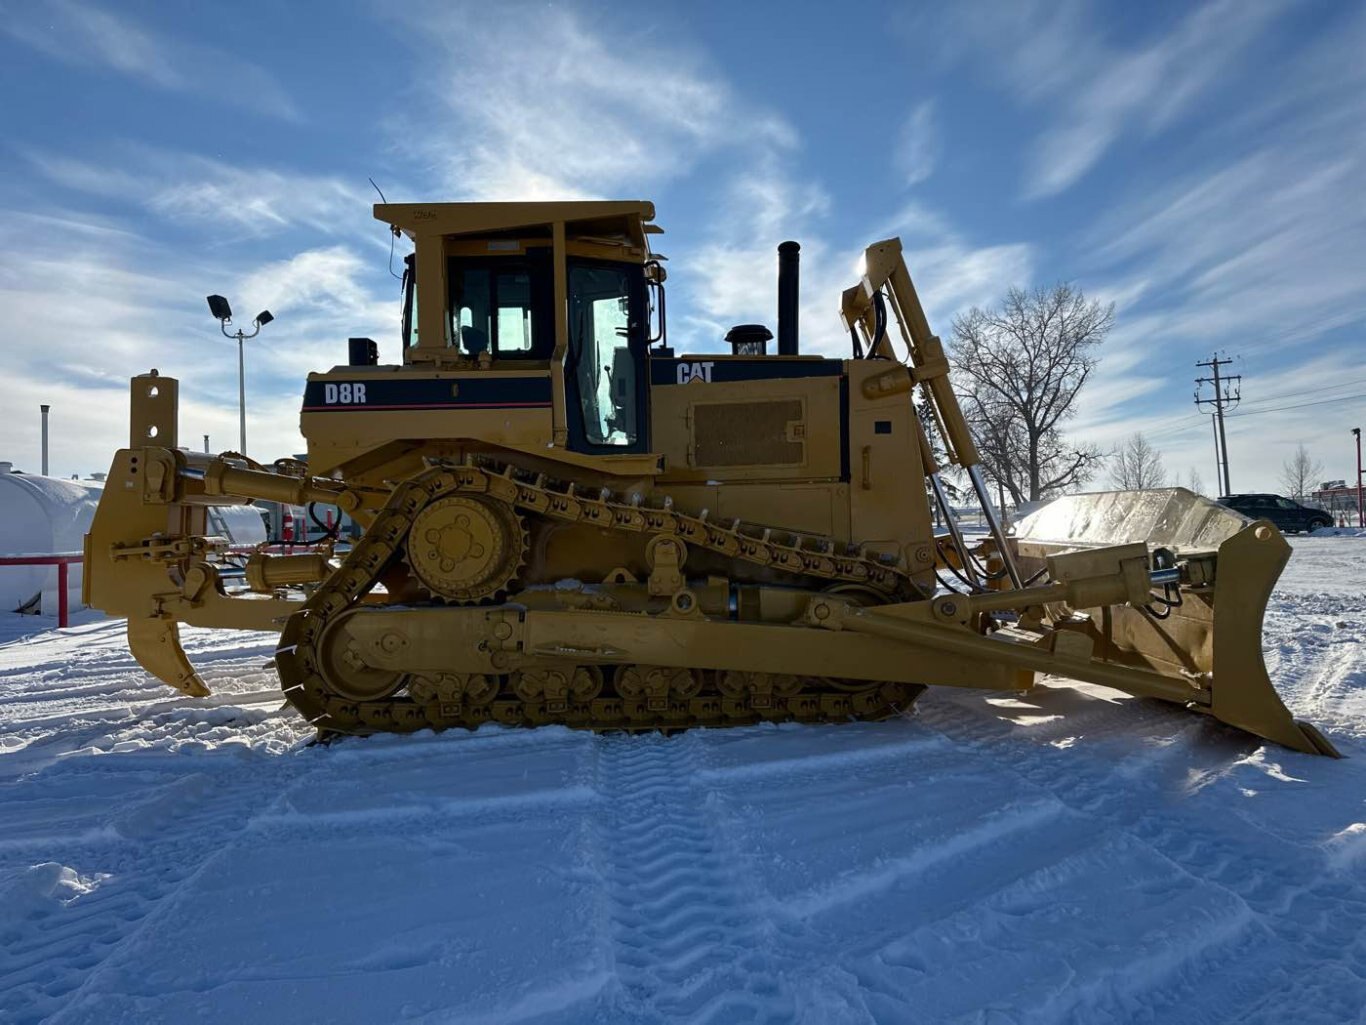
column 694, row 372
column 344, row 394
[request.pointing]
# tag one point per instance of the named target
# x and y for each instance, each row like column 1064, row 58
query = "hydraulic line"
column 941, row 497
column 994, row 522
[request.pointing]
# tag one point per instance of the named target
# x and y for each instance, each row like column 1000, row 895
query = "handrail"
column 59, row 559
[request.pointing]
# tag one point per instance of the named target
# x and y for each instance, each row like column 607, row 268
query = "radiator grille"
column 748, row 434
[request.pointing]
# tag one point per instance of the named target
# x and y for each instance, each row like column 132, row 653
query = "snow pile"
column 42, row 889
column 1071, row 856
column 1338, row 532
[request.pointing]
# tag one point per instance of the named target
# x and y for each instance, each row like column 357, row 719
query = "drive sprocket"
column 466, row 548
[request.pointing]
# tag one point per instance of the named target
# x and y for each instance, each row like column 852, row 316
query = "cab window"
column 501, row 307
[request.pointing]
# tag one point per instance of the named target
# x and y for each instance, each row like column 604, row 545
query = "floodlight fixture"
column 263, row 318
column 220, row 308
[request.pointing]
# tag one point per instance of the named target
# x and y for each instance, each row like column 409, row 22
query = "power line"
column 1300, row 405
column 1318, row 391
column 1311, row 391
column 1171, row 421
column 1188, row 423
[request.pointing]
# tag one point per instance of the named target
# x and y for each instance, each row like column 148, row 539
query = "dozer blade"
column 1250, row 563
column 1214, row 633
column 155, row 643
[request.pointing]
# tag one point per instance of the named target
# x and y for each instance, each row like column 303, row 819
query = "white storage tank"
column 42, row 516
column 243, row 525
column 50, row 516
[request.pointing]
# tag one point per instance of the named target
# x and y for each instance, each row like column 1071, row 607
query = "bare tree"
column 1194, row 482
column 1300, row 473
column 1020, row 369
column 1136, row 465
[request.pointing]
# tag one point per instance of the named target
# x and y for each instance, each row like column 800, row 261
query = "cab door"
column 605, row 370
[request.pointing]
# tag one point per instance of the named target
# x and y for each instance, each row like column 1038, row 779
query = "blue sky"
column 1201, row 165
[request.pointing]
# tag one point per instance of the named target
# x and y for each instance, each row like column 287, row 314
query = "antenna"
column 393, row 232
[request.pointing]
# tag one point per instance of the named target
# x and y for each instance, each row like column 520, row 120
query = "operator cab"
column 564, row 291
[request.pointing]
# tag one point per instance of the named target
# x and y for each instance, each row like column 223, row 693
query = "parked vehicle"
column 1287, row 514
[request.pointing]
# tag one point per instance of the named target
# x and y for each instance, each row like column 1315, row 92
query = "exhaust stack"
column 789, row 261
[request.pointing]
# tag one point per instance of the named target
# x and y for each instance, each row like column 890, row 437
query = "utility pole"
column 1225, row 397
column 1218, row 473
column 1361, row 514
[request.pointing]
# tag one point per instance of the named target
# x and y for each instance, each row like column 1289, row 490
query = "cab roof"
column 605, row 218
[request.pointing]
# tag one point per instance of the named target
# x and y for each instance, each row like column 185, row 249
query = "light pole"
column 219, row 307
column 44, row 409
column 1361, row 519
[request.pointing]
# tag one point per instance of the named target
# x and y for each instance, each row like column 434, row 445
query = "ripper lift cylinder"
column 264, row 573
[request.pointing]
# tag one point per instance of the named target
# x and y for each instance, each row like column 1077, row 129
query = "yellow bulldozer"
column 563, row 521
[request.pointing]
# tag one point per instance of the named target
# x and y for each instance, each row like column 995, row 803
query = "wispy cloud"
column 576, row 114
column 917, row 148
column 586, row 113
column 1264, row 249
column 731, row 276
column 86, row 35
column 199, row 191
column 1060, row 59
column 1142, row 90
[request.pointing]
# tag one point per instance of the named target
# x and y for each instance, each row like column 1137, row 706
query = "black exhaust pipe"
column 789, row 262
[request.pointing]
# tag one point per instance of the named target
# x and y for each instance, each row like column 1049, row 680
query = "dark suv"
column 1287, row 515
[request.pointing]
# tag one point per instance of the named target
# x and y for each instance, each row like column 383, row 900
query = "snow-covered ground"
column 1077, row 856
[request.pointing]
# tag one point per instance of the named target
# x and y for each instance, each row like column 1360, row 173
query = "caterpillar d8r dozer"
column 565, row 522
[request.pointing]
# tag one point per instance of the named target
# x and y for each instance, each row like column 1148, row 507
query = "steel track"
column 306, row 685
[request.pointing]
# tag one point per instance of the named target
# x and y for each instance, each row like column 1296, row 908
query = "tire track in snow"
column 131, row 711
column 914, row 861
column 130, row 855
column 1316, row 663
column 181, row 824
column 689, row 943
column 192, row 827
column 1302, row 924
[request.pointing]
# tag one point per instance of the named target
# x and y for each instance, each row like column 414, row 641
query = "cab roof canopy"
column 628, row 219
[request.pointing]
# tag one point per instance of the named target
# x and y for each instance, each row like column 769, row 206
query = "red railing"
column 61, row 560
